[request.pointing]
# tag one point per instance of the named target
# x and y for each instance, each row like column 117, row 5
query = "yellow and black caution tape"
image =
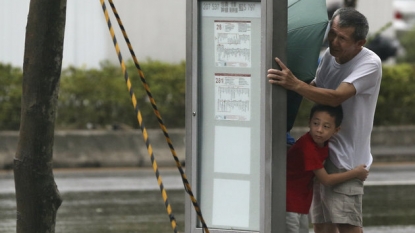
column 140, row 121
column 157, row 113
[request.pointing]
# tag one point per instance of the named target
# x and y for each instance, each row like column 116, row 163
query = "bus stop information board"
column 229, row 114
column 235, row 120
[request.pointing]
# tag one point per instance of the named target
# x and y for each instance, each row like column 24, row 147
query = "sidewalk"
column 125, row 148
column 109, row 179
column 393, row 153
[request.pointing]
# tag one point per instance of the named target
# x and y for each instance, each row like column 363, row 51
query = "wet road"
column 123, row 179
column 116, row 182
column 105, row 201
column 104, row 179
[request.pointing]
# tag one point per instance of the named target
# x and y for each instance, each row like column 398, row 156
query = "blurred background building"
column 157, row 29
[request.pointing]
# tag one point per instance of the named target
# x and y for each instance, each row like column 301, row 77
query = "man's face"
column 342, row 44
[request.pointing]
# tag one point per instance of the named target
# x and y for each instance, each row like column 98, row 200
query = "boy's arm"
column 359, row 172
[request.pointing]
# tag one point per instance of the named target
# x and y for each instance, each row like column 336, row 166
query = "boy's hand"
column 362, row 172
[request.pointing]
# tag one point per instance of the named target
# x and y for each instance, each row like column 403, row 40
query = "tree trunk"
column 37, row 196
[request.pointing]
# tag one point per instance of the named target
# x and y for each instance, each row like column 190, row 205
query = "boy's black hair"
column 336, row 112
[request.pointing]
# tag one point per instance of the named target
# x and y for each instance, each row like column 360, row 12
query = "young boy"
column 305, row 160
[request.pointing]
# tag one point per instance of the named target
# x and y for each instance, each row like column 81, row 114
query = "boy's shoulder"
column 304, row 142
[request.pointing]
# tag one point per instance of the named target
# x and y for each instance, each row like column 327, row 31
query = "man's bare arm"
column 286, row 79
column 326, row 96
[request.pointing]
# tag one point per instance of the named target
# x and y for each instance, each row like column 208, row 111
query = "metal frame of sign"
column 253, row 107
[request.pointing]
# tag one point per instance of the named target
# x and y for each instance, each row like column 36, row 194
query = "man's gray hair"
column 349, row 17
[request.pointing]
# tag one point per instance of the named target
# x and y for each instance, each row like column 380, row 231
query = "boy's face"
column 322, row 127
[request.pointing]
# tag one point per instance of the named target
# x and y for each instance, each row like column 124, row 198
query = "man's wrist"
column 299, row 86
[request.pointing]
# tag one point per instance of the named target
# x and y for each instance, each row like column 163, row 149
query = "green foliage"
column 95, row 97
column 408, row 43
column 100, row 97
column 396, row 102
column 167, row 86
column 10, row 97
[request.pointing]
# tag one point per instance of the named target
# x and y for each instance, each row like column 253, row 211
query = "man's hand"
column 283, row 77
column 362, row 172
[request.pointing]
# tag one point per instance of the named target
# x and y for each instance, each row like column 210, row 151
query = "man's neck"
column 346, row 59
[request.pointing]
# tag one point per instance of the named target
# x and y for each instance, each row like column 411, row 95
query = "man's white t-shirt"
column 350, row 147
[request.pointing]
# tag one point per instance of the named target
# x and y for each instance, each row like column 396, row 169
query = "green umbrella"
column 307, row 24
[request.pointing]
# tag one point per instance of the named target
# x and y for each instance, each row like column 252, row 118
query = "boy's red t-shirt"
column 302, row 158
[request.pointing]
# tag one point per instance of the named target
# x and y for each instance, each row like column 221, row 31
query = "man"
column 348, row 75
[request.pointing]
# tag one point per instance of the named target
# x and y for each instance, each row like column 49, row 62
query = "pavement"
column 103, row 179
column 392, row 173
column 110, row 179
column 392, row 154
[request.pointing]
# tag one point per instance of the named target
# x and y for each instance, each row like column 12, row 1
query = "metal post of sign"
column 275, row 165
column 235, row 120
